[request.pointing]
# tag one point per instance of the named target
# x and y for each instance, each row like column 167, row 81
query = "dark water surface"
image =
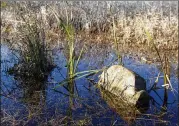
column 89, row 106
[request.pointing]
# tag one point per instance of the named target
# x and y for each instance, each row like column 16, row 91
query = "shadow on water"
column 30, row 101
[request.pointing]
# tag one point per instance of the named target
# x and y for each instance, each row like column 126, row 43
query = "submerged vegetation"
column 82, row 31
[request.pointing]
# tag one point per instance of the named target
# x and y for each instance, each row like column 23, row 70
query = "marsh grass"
column 125, row 30
column 165, row 66
column 128, row 29
column 72, row 62
column 121, row 32
column 164, row 62
column 34, row 64
column 116, row 42
column 34, row 58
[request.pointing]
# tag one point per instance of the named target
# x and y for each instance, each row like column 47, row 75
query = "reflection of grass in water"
column 127, row 111
column 33, row 94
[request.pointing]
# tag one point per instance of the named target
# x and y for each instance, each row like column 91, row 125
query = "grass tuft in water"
column 166, row 71
column 34, row 59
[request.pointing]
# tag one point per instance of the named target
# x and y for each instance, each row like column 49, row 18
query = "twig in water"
column 155, row 83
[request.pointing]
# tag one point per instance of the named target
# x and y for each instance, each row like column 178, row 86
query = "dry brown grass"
column 130, row 33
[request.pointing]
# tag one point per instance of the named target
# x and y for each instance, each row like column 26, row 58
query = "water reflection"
column 37, row 94
column 127, row 111
column 33, row 93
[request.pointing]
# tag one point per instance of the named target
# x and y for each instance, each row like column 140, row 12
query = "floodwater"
column 35, row 105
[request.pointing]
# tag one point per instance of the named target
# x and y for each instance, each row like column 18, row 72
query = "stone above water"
column 125, row 84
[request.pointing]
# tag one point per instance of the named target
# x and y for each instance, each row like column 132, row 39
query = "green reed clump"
column 72, row 60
